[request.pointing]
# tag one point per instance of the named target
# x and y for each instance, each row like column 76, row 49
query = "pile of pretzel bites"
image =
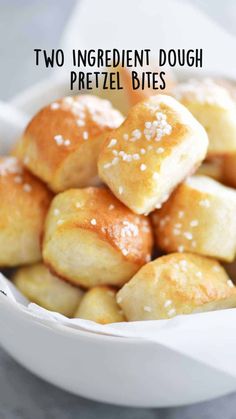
column 112, row 218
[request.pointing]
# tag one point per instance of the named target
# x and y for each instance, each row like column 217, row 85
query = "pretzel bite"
column 61, row 143
column 229, row 170
column 199, row 217
column 215, row 109
column 176, row 284
column 41, row 287
column 157, row 146
column 24, row 203
column 99, row 304
column 92, row 239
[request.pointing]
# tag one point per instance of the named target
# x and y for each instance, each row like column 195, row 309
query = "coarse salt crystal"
column 204, row 203
column 167, row 303
column 55, row 106
column 155, row 176
column 59, row 139
column 180, row 214
column 112, row 143
column 137, row 134
column 85, row 135
column 188, row 235
column 27, row 187
column 80, row 122
column 194, row 223
column 56, row 211
column 147, row 309
column 230, row 283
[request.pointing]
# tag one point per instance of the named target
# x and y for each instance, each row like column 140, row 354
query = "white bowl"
column 124, row 371
column 130, row 372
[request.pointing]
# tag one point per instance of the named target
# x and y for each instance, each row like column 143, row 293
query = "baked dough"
column 156, row 147
column 176, row 284
column 41, row 287
column 93, row 239
column 199, row 217
column 99, row 304
column 61, row 143
column 229, row 169
column 24, row 204
column 214, row 108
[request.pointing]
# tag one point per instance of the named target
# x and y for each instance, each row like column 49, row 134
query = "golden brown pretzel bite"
column 61, row 143
column 156, row 147
column 41, row 287
column 93, row 239
column 23, row 207
column 176, row 284
column 99, row 304
column 199, row 217
column 215, row 109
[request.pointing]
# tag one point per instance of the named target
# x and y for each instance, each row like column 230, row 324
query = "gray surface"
column 23, row 26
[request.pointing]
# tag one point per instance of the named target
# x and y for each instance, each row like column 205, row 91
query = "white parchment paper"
column 206, row 337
